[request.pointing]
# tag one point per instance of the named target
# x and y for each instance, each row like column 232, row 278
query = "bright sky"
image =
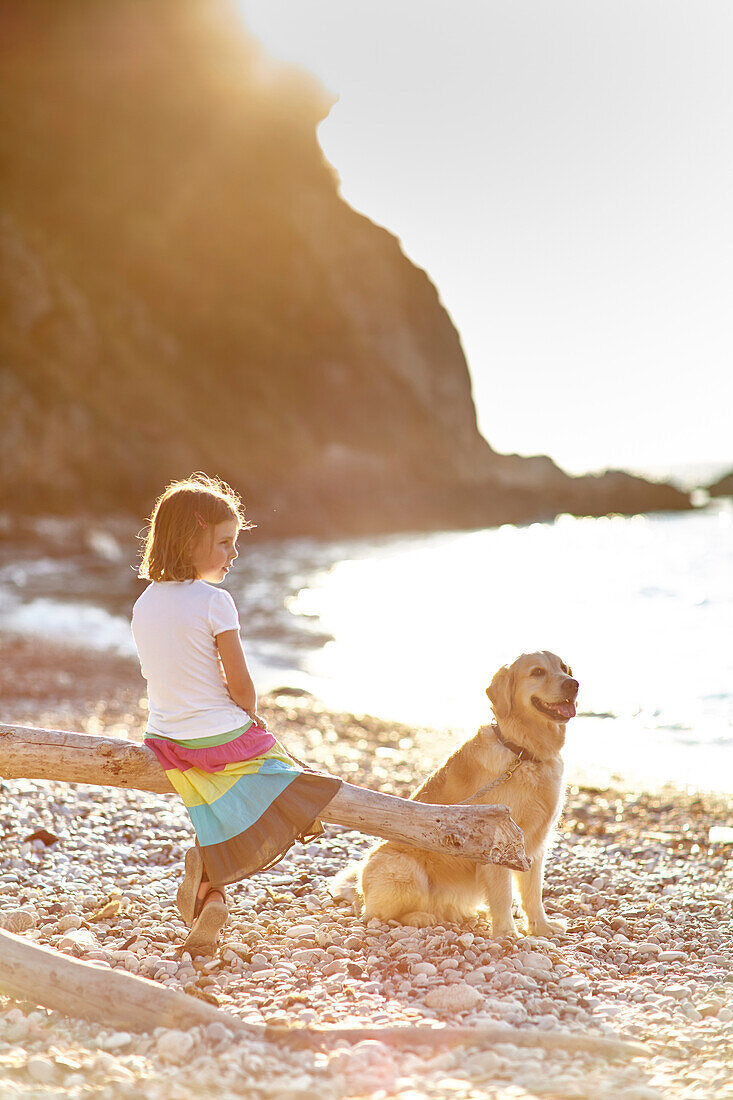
column 563, row 171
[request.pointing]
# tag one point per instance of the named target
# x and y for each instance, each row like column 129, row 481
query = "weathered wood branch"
column 486, row 834
column 116, row 999
column 30, row 972
column 407, row 1036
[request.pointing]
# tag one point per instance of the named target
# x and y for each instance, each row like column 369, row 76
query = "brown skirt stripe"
column 292, row 816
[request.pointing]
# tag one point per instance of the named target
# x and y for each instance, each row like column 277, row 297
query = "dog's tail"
column 345, row 885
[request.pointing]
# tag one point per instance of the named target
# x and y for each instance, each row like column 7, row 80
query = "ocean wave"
column 73, row 623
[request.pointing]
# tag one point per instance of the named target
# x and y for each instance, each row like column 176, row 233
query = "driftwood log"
column 114, row 998
column 29, row 972
column 486, row 834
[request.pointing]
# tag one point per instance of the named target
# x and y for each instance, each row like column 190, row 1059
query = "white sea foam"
column 72, row 623
column 19, row 574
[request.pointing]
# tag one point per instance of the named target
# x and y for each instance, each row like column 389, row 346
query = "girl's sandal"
column 201, row 902
column 187, row 895
column 212, row 916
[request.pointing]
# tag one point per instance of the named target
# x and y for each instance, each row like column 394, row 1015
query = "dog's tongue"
column 567, row 710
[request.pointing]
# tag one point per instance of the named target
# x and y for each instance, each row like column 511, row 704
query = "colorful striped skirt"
column 247, row 799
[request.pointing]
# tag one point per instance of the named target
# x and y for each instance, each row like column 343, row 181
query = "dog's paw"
column 505, row 930
column 419, row 919
column 547, row 927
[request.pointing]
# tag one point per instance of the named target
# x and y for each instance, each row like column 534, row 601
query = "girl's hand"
column 257, row 719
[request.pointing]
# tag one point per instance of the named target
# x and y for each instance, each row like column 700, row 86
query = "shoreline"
column 648, row 954
column 49, row 684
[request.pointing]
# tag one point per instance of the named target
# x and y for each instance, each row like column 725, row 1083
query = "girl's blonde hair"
column 184, row 513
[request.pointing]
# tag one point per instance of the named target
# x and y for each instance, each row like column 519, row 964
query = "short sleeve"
column 222, row 612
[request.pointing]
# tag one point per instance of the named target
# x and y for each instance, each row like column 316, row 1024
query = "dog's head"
column 535, row 686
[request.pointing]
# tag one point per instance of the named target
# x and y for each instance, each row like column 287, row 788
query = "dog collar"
column 522, row 753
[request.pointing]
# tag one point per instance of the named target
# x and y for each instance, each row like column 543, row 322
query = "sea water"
column 411, row 628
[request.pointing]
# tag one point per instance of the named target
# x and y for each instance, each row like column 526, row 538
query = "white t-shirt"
column 175, row 624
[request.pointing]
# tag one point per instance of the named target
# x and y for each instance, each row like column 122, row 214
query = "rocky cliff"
column 183, row 288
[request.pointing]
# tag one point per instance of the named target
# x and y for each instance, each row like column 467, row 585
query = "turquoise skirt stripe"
column 243, row 804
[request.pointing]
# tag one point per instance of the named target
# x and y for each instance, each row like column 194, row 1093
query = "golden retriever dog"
column 532, row 700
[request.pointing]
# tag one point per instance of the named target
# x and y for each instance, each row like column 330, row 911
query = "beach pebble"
column 308, row 956
column 475, row 977
column 116, row 1041
column 453, row 998
column 80, row 939
column 640, row 1093
column 238, row 946
column 338, row 966
column 69, row 922
column 574, row 982
column 537, row 961
column 293, row 1088
column 175, row 1046
column 218, row 1033
column 18, row 920
column 42, row 1070
column 299, row 931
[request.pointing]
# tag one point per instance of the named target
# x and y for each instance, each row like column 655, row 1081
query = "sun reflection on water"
column 636, row 606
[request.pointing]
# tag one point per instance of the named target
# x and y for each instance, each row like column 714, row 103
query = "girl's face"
column 215, row 552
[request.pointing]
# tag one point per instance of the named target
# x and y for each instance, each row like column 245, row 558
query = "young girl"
column 246, row 798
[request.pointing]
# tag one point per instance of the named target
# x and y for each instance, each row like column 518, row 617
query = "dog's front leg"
column 530, row 891
column 497, row 885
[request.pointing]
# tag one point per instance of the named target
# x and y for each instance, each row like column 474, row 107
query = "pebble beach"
column 643, row 879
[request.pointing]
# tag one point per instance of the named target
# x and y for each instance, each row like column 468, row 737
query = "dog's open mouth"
column 559, row 711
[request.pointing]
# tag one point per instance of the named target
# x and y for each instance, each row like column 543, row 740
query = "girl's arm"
column 238, row 679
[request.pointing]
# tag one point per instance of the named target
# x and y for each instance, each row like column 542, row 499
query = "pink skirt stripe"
column 253, row 742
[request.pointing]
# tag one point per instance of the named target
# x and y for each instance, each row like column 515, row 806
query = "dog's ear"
column 501, row 691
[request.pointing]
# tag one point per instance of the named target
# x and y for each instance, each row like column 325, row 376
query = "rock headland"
column 184, row 288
